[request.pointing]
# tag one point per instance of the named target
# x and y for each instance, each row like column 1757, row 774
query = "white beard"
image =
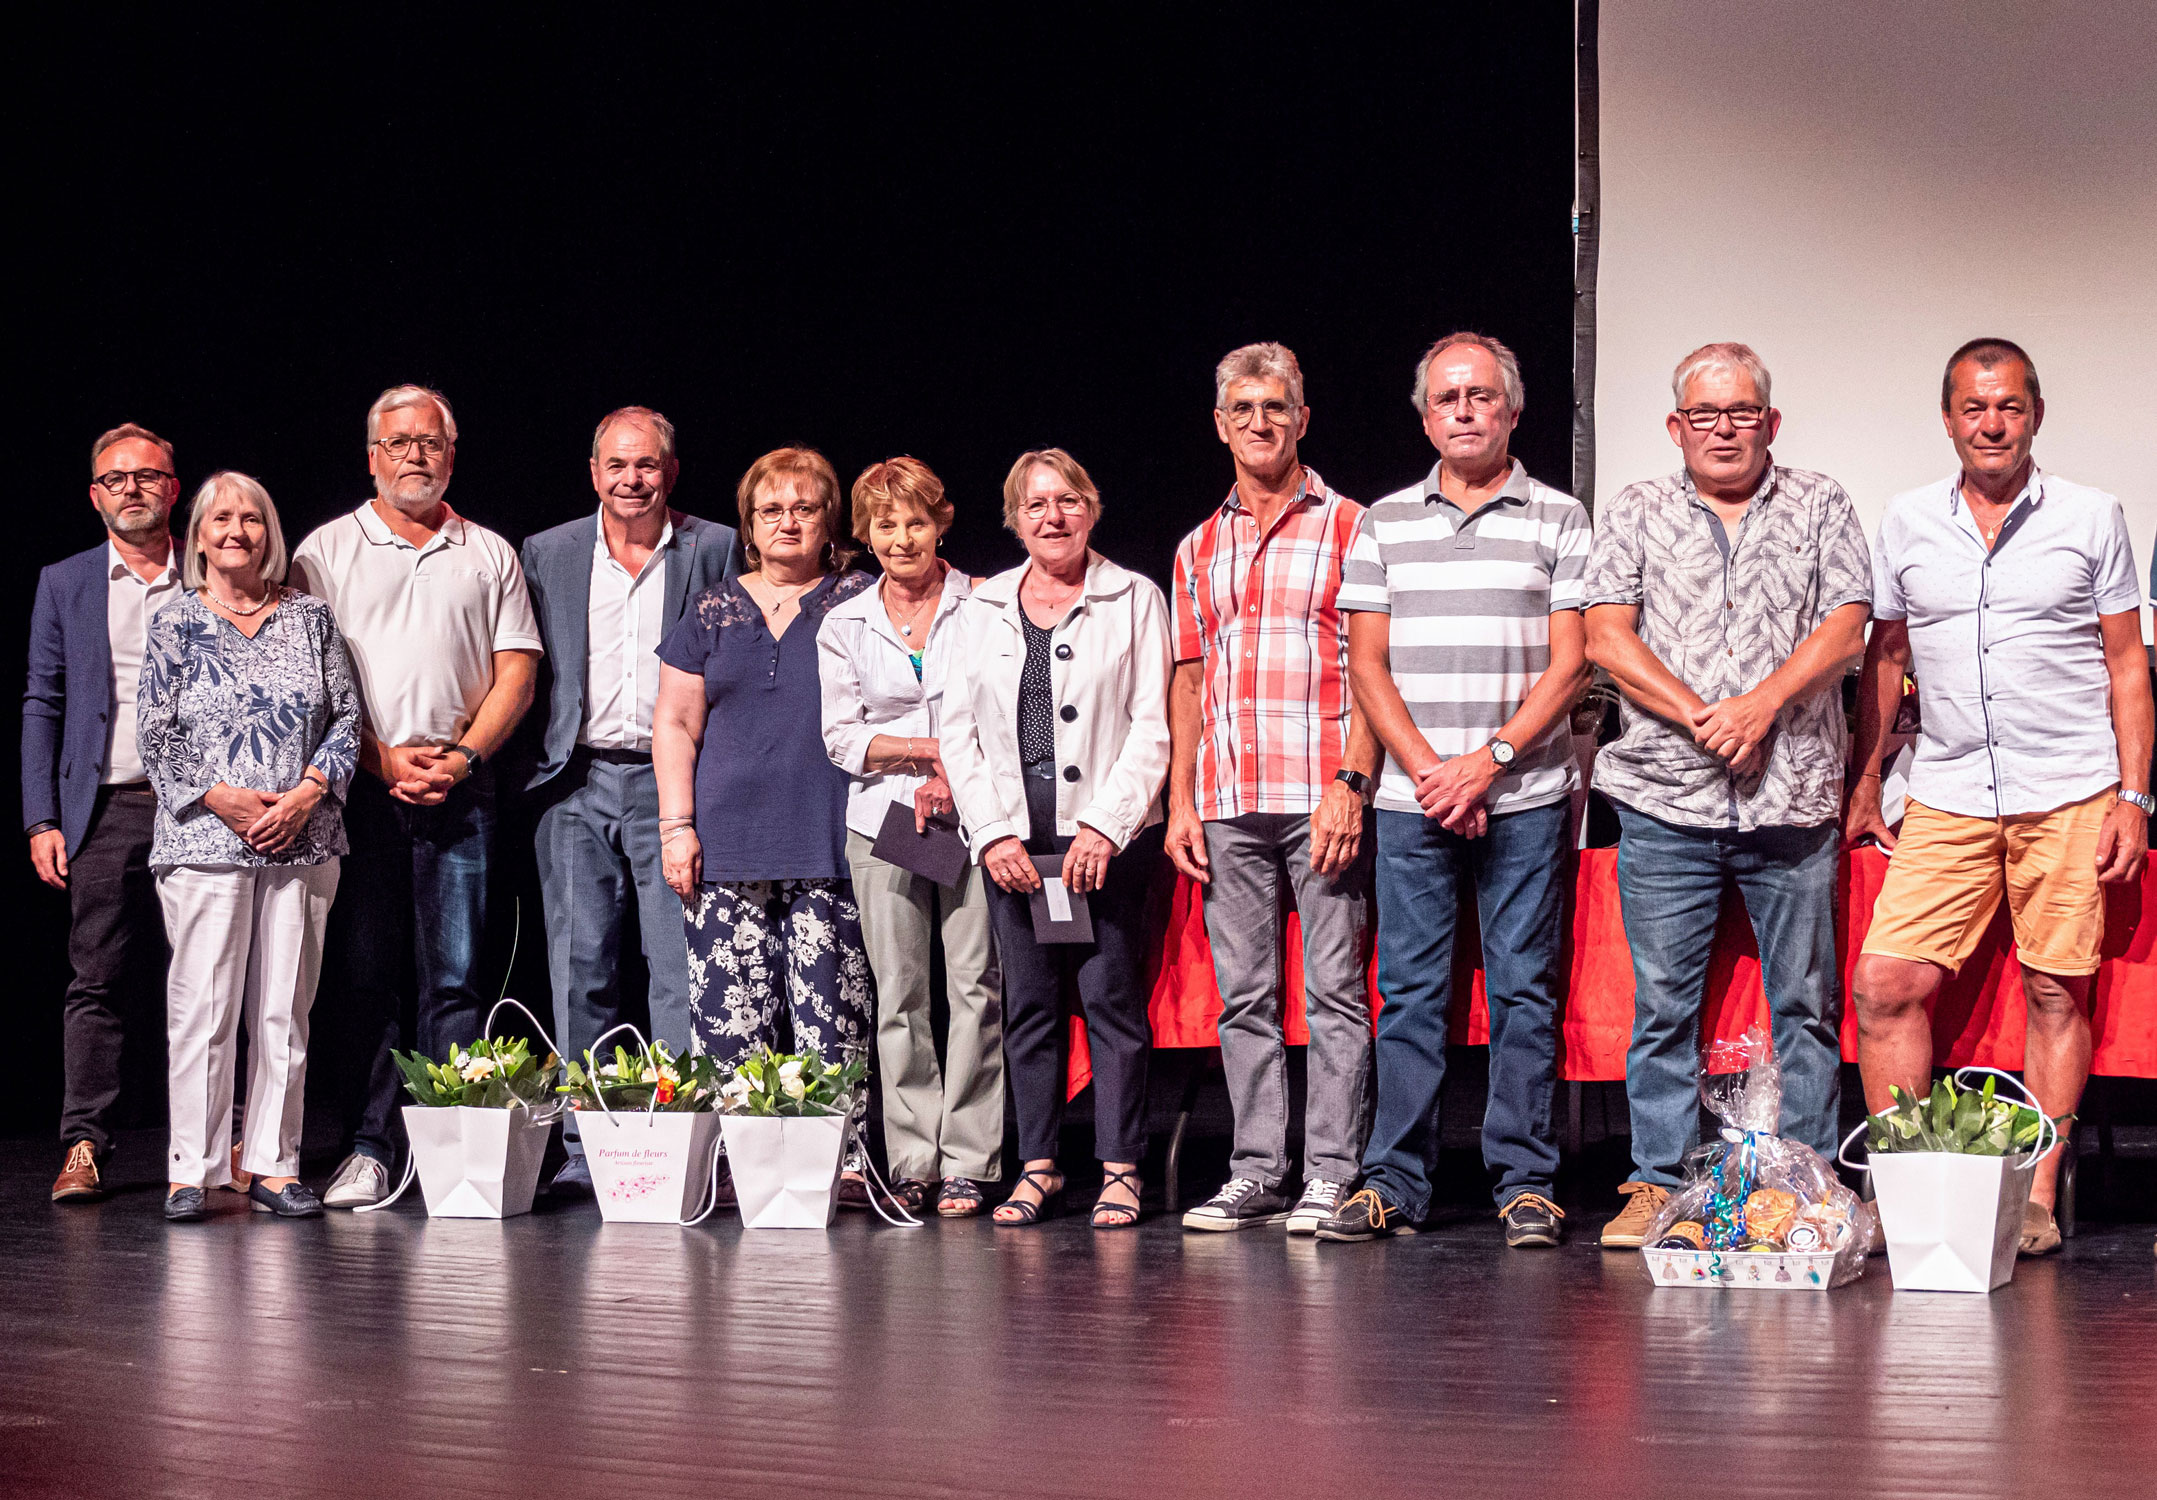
column 413, row 501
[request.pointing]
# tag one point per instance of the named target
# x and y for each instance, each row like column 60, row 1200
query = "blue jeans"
column 1518, row 871
column 1670, row 882
column 406, row 932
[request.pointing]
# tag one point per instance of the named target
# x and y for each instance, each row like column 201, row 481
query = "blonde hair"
column 797, row 463
column 895, row 484
column 1073, row 472
column 193, row 571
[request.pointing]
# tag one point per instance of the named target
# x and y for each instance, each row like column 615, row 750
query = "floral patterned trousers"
column 758, row 946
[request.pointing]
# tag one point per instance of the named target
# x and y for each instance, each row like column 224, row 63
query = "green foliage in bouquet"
column 1969, row 1121
column 631, row 1080
column 485, row 1075
column 794, row 1083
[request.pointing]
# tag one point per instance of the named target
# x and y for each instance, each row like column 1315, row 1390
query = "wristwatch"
column 471, row 757
column 1358, row 783
column 1502, row 753
column 2142, row 800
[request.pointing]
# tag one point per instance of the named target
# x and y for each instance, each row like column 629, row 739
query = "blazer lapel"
column 681, row 567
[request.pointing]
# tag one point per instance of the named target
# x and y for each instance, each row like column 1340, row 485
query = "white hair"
column 1739, row 357
column 398, row 398
column 1516, row 394
column 193, row 571
column 1258, row 362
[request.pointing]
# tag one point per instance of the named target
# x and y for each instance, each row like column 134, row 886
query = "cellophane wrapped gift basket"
column 1757, row 1211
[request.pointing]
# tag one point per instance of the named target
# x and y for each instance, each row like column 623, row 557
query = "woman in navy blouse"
column 752, row 811
column 249, row 726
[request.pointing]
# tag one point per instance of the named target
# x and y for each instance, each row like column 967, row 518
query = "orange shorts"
column 1949, row 872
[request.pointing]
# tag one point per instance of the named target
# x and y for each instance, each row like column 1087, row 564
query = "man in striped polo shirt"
column 1269, row 766
column 1466, row 654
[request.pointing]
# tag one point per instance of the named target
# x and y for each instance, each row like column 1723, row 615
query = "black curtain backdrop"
column 957, row 236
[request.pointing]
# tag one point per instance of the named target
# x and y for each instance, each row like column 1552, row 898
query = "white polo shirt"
column 422, row 623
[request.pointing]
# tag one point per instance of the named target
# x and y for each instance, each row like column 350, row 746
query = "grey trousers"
column 598, row 849
column 945, row 1122
column 1250, row 858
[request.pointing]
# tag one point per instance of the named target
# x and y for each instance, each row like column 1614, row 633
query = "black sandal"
column 1108, row 1180
column 958, row 1198
column 1033, row 1213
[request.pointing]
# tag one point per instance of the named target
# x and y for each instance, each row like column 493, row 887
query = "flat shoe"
column 292, row 1201
column 187, row 1205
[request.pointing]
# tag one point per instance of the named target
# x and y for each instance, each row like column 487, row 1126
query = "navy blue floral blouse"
column 216, row 706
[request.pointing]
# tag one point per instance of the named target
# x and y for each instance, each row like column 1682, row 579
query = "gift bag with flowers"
column 649, row 1129
column 786, row 1118
column 479, row 1126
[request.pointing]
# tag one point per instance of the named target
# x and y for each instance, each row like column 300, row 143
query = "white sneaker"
column 1320, row 1200
column 360, row 1183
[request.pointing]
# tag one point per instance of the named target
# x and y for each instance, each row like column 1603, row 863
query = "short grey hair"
column 193, row 572
column 1516, row 394
column 400, row 397
column 1726, row 356
column 1258, row 362
column 128, row 432
column 661, row 428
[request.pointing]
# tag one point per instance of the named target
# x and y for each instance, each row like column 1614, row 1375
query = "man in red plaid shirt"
column 1270, row 771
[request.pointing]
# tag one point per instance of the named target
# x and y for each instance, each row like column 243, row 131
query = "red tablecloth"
column 1978, row 1017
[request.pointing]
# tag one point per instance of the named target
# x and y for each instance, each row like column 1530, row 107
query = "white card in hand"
column 1058, row 898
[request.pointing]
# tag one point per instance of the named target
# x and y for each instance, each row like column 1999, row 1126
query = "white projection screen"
column 1855, row 187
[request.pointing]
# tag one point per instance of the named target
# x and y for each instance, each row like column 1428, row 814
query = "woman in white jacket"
column 1055, row 742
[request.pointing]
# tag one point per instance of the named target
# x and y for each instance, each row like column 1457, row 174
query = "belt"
column 616, row 757
column 133, row 788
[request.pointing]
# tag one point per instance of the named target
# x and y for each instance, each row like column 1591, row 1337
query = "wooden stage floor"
column 386, row 1355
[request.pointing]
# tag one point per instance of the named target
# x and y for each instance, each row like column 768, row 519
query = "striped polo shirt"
column 1471, row 598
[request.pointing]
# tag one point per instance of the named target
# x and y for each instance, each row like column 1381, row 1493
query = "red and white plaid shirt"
column 1261, row 613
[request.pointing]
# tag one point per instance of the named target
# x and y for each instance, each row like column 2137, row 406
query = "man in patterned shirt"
column 1465, row 651
column 1268, row 768
column 1727, row 600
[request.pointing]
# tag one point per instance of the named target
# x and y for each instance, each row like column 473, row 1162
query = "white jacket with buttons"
column 1110, row 668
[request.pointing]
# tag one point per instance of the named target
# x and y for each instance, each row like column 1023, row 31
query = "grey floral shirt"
column 1722, row 613
column 216, row 706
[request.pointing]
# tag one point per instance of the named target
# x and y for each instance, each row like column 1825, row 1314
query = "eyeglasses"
column 1705, row 418
column 1276, row 413
column 772, row 515
column 1070, row 505
column 1477, row 398
column 117, row 480
column 401, row 444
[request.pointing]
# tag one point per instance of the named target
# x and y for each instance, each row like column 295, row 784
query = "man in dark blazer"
column 607, row 589
column 87, row 807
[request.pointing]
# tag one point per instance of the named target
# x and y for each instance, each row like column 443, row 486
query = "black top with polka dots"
column 1037, row 699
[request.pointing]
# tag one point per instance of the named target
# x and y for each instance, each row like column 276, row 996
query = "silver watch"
column 2140, row 800
column 1501, row 752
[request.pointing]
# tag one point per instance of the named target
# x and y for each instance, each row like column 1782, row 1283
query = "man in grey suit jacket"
column 607, row 589
column 87, row 808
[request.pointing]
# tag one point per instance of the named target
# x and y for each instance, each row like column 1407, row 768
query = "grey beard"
column 411, row 504
column 147, row 531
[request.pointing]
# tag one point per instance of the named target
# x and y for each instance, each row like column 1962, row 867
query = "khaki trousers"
column 938, row 1122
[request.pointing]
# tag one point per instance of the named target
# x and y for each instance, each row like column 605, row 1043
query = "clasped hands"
column 422, row 774
column 267, row 822
column 1734, row 730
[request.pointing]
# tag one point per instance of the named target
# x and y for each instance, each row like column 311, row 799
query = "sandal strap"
column 1130, row 1179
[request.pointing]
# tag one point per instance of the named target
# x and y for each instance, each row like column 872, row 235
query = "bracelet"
column 311, row 774
column 677, row 817
column 1868, row 776
column 672, row 832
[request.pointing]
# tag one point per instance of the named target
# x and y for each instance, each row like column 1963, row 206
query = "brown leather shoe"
column 1630, row 1228
column 78, row 1181
column 2040, row 1232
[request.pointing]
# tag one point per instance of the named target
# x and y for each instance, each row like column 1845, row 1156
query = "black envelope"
column 1073, row 926
column 938, row 855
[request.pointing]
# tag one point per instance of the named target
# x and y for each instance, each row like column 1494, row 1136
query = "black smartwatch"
column 1358, row 783
column 471, row 757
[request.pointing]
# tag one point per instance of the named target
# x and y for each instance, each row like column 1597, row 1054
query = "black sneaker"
column 1242, row 1203
column 1532, row 1220
column 1365, row 1216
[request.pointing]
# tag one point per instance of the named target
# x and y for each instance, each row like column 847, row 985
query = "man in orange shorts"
column 2014, row 595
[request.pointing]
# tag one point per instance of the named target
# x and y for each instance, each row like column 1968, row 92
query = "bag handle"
column 905, row 1220
column 554, row 1108
column 642, row 1045
column 1842, row 1153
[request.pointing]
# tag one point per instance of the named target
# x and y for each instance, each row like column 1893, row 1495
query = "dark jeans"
column 1670, row 881
column 116, row 946
column 1110, row 975
column 1518, row 870
column 406, row 931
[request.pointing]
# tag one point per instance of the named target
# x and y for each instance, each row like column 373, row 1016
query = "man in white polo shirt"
column 2013, row 595
column 445, row 646
column 1466, row 653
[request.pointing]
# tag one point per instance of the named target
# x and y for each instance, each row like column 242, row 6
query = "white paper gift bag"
column 1952, row 1222
column 648, row 1167
column 477, row 1163
column 786, row 1168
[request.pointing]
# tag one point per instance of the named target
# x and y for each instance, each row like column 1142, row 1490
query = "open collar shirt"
column 624, row 623
column 1723, row 611
column 1262, row 612
column 130, row 601
column 2014, row 696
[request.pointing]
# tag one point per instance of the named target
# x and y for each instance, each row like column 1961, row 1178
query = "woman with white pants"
column 249, row 724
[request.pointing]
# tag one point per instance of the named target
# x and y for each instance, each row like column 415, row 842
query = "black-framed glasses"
column 401, row 444
column 1705, row 418
column 117, row 480
column 1244, row 413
